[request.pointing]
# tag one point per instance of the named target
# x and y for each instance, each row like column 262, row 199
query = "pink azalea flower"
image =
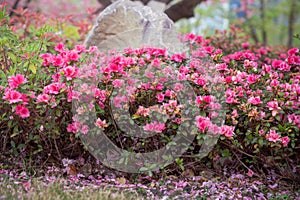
column 58, row 61
column 274, row 83
column 101, row 123
column 178, row 87
column 74, row 127
column 230, row 100
column 293, row 51
column 118, row 83
column 273, row 106
column 12, row 96
column 70, row 72
column 252, row 78
column 254, row 100
column 155, row 127
column 43, row 98
column 273, row 136
column 92, row 49
column 80, row 48
column 178, row 57
column 159, row 87
column 15, row 81
column 214, row 129
column 143, row 111
column 250, row 173
column 191, row 37
column 228, row 131
column 56, row 77
column 261, row 132
column 118, row 100
column 203, row 123
column 228, row 79
column 73, row 55
column 22, row 111
column 285, row 141
column 245, row 45
column 200, row 81
column 84, row 129
column 59, row 47
column 221, row 66
column 53, row 88
column 47, row 59
column 160, row 97
column 209, row 49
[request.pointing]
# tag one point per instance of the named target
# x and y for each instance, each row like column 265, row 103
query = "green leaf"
column 32, row 68
column 261, row 142
column 71, row 32
column 12, row 56
column 15, row 132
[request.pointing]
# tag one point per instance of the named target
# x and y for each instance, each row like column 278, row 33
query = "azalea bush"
column 244, row 100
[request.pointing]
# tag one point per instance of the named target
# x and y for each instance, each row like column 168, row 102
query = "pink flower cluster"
column 155, row 127
column 14, row 97
column 204, row 124
column 273, row 136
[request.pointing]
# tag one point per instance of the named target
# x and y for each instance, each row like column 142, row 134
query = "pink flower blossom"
column 203, row 123
column 92, row 49
column 101, row 123
column 15, row 81
column 47, row 59
column 22, row 111
column 254, row 100
column 84, row 129
column 143, row 111
column 160, row 97
column 209, row 49
column 53, row 88
column 73, row 55
column 250, row 173
column 190, row 37
column 214, row 129
column 118, row 83
column 252, row 78
column 58, row 61
column 59, row 47
column 228, row 79
column 200, row 81
column 228, row 131
column 12, row 96
column 178, row 57
column 79, row 48
column 274, row 83
column 159, row 87
column 293, row 51
column 70, row 72
column 221, row 67
column 56, row 77
column 273, row 106
column 178, row 87
column 285, row 141
column 273, row 136
column 245, row 45
column 155, row 127
column 118, row 100
column 261, row 132
column 43, row 98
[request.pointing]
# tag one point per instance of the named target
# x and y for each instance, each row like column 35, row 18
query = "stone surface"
column 156, row 5
column 130, row 24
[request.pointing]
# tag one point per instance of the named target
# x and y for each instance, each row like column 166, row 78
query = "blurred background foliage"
column 269, row 22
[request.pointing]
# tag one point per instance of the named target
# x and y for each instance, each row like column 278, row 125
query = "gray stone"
column 157, row 5
column 130, row 24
